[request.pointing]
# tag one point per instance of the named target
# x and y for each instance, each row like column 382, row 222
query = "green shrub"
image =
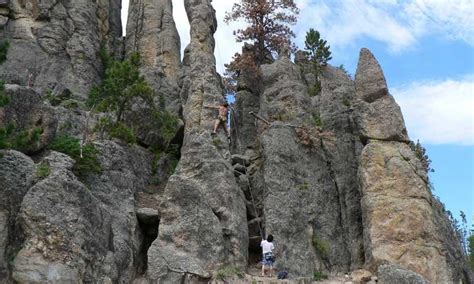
column 217, row 142
column 9, row 139
column 227, row 272
column 117, row 130
column 315, row 89
column 322, row 247
column 4, row 45
column 346, row 102
column 123, row 132
column 71, row 147
column 317, row 121
column 121, row 86
column 4, row 100
column 319, row 275
column 43, row 170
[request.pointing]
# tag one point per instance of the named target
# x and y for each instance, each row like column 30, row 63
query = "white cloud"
column 343, row 22
column 439, row 112
column 453, row 19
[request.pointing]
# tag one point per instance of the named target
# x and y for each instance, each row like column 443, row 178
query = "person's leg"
column 216, row 125
column 263, row 270
column 270, row 268
column 224, row 125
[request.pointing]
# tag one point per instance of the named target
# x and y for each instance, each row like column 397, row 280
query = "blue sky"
column 426, row 49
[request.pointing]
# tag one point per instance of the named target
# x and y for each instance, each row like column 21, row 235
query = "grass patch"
column 71, row 147
column 317, row 121
column 319, row 275
column 43, row 170
column 228, row 272
column 304, row 186
column 217, row 142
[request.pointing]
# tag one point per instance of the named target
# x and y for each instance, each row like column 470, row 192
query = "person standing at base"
column 267, row 252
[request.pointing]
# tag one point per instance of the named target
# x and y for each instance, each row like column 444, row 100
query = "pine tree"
column 121, row 86
column 317, row 48
column 318, row 54
column 268, row 31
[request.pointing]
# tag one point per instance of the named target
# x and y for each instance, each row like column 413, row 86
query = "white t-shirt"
column 266, row 246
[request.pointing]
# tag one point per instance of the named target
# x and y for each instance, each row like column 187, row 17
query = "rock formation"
column 203, row 224
column 151, row 31
column 330, row 174
column 54, row 45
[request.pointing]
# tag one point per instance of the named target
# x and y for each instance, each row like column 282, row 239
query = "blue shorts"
column 267, row 259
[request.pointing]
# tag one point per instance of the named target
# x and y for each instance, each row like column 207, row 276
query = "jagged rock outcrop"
column 336, row 173
column 27, row 113
column 397, row 206
column 376, row 112
column 203, row 221
column 300, row 190
column 68, row 229
column 152, row 32
column 54, row 45
column 16, row 177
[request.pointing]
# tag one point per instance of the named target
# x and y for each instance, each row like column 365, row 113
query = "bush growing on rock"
column 227, row 272
column 4, row 45
column 4, row 100
column 121, row 88
column 43, row 171
column 70, row 146
column 125, row 91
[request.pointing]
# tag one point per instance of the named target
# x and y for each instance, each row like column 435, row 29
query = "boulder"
column 17, row 175
column 393, row 274
column 85, row 229
column 148, row 216
column 27, row 112
column 361, row 276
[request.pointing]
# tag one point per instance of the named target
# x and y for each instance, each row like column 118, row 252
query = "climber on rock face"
column 267, row 251
column 221, row 118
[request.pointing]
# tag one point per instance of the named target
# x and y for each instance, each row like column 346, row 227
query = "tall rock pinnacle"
column 378, row 115
column 203, row 215
column 151, row 31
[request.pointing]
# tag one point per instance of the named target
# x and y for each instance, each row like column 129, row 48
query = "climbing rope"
column 252, row 199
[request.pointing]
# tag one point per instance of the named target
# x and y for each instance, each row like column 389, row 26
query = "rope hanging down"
column 252, row 199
